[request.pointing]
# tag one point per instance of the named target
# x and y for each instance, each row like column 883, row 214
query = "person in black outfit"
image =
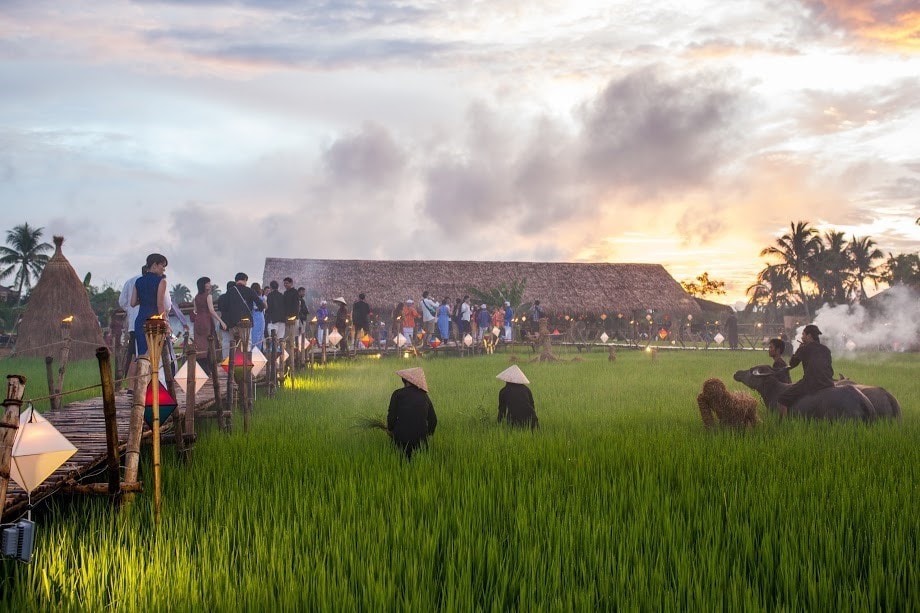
column 291, row 301
column 815, row 359
column 515, row 402
column 237, row 303
column 361, row 314
column 411, row 418
column 775, row 349
column 274, row 312
column 341, row 323
column 731, row 328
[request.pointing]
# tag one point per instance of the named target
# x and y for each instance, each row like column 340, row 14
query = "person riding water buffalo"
column 815, row 359
column 411, row 418
column 515, row 402
column 775, row 349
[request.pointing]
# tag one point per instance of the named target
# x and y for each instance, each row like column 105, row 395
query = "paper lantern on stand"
column 38, row 450
column 468, row 340
column 400, row 340
column 200, row 376
column 366, row 340
column 167, row 404
column 496, row 331
column 239, row 361
column 334, row 337
column 258, row 361
column 435, row 343
column 604, row 337
column 718, row 338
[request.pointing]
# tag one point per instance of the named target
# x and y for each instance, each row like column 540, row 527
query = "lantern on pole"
column 165, row 402
column 400, row 340
column 199, row 375
column 38, row 450
column 334, row 337
column 495, row 331
column 604, row 337
column 468, row 340
column 155, row 329
column 258, row 361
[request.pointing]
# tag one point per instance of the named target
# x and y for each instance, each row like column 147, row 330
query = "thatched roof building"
column 59, row 293
column 562, row 288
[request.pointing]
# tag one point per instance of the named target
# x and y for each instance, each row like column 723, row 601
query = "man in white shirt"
column 429, row 315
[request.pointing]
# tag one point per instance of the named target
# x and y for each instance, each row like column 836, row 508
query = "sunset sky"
column 683, row 133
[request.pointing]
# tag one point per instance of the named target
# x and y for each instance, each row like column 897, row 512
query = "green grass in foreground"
column 621, row 500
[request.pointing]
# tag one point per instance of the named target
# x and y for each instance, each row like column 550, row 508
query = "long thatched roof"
column 58, row 294
column 562, row 288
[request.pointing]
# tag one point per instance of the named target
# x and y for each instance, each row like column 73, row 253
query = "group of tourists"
column 411, row 418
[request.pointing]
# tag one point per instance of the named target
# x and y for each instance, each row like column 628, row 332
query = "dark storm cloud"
column 368, row 158
column 651, row 134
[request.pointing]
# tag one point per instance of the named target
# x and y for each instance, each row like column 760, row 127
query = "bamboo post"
column 212, row 357
column 65, row 356
column 246, row 380
column 231, row 400
column 136, row 423
column 15, row 389
column 155, row 330
column 290, row 370
column 191, row 363
column 53, row 400
column 113, row 463
column 119, row 361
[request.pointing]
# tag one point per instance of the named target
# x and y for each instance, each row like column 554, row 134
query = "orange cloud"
column 895, row 24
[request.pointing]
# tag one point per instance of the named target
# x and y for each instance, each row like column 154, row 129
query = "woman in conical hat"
column 411, row 418
column 515, row 401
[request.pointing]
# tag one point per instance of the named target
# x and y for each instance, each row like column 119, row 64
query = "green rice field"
column 621, row 501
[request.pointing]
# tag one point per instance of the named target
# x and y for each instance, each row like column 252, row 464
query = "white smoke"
column 892, row 323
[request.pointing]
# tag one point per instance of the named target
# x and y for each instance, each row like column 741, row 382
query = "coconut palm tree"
column 773, row 290
column 902, row 269
column 180, row 293
column 863, row 255
column 795, row 249
column 829, row 268
column 25, row 255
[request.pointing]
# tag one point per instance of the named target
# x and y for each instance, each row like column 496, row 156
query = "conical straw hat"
column 415, row 376
column 512, row 374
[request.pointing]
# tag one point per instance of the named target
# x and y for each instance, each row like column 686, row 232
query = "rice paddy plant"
column 620, row 500
column 79, row 374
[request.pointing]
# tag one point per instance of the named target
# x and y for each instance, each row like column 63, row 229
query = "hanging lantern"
column 258, row 361
column 604, row 337
column 468, row 340
column 167, row 404
column 200, row 376
column 38, row 450
column 334, row 337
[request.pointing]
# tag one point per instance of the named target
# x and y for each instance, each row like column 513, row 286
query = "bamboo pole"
column 230, row 397
column 272, row 363
column 113, row 464
column 191, row 365
column 65, row 357
column 15, row 389
column 136, row 424
column 212, row 357
column 155, row 330
column 52, row 399
column 119, row 361
column 245, row 326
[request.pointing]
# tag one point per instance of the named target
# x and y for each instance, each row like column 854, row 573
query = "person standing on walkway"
column 361, row 315
column 203, row 319
column 149, row 296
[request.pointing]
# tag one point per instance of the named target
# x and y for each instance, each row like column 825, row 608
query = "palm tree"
column 902, row 269
column 863, row 254
column 180, row 293
column 773, row 290
column 795, row 250
column 24, row 255
column 829, row 268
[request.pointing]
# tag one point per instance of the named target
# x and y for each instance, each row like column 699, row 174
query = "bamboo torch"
column 155, row 331
column 66, row 326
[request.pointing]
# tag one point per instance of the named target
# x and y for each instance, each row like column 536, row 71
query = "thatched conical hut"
column 58, row 294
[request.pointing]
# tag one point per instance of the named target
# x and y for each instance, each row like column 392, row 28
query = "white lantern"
column 258, row 361
column 604, row 337
column 400, row 340
column 334, row 337
column 38, row 450
column 496, row 331
column 468, row 340
column 718, row 338
column 200, row 376
column 850, row 345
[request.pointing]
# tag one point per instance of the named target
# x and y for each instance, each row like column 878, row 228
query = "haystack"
column 59, row 293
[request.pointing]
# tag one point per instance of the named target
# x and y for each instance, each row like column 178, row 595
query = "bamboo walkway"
column 83, row 424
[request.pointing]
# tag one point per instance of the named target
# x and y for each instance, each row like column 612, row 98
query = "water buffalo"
column 838, row 402
column 885, row 404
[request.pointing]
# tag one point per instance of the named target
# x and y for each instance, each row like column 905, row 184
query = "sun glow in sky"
column 686, row 134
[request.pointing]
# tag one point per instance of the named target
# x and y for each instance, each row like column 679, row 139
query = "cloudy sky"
column 684, row 133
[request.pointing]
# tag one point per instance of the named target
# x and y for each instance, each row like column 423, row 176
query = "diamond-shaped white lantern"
column 334, row 337
column 400, row 340
column 850, row 345
column 496, row 331
column 258, row 361
column 38, row 450
column 604, row 337
column 468, row 340
column 201, row 377
column 718, row 338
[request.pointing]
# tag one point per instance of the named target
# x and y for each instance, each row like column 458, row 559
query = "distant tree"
column 703, row 286
column 902, row 269
column 512, row 292
column 773, row 290
column 863, row 256
column 215, row 292
column 180, row 293
column 829, row 268
column 25, row 255
column 795, row 249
